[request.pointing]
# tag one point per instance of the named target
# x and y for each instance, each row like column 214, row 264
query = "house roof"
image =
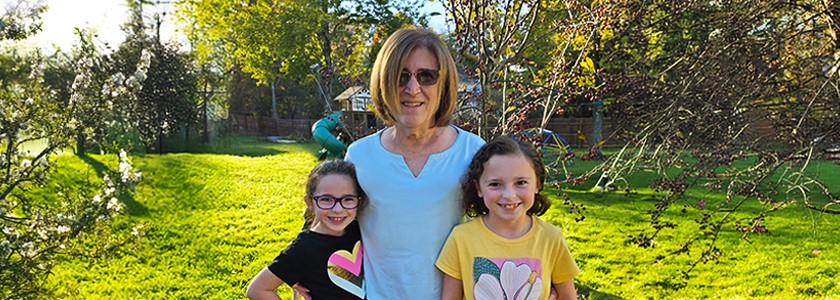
column 350, row 92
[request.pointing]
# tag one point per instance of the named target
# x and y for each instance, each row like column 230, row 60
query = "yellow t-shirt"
column 491, row 266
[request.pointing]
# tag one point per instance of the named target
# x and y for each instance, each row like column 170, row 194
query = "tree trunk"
column 326, row 51
column 274, row 101
column 597, row 127
column 205, row 136
column 598, row 102
column 160, row 141
column 274, row 106
column 80, row 143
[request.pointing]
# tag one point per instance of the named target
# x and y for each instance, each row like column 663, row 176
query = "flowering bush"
column 41, row 217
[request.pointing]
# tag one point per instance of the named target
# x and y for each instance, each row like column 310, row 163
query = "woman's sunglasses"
column 424, row 77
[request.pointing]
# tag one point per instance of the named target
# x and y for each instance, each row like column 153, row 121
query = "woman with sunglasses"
column 410, row 170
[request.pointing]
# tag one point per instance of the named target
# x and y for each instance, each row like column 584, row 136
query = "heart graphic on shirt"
column 345, row 270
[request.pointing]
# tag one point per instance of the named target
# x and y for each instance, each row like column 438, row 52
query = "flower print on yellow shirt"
column 507, row 279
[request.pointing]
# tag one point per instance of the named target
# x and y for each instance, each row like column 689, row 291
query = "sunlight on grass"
column 219, row 214
column 214, row 220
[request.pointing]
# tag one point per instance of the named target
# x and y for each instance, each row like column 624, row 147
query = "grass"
column 217, row 215
column 213, row 221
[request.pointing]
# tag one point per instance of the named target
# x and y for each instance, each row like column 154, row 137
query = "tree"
column 694, row 80
column 38, row 226
column 494, row 34
column 21, row 18
column 167, row 99
column 81, row 79
column 164, row 98
column 255, row 37
column 691, row 82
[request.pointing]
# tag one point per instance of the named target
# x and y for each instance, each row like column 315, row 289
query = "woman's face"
column 418, row 103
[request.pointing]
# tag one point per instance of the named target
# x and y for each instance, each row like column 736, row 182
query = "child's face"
column 508, row 185
column 333, row 220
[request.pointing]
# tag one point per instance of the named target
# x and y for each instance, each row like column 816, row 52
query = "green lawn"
column 218, row 215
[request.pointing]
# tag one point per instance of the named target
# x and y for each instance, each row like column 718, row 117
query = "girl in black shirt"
column 326, row 258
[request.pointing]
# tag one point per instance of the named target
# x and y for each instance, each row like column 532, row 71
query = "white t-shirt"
column 406, row 219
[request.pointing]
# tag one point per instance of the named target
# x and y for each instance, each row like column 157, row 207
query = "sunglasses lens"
column 426, row 77
column 404, row 78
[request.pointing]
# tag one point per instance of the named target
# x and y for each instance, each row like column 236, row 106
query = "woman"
column 411, row 169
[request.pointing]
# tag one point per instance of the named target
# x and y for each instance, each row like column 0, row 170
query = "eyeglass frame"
column 339, row 200
column 435, row 75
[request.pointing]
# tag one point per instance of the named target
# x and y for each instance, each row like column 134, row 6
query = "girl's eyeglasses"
column 424, row 77
column 327, row 202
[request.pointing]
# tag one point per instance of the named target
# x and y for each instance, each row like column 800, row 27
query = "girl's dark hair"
column 330, row 167
column 503, row 145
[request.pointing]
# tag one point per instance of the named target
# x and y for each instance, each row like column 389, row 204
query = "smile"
column 510, row 206
column 412, row 104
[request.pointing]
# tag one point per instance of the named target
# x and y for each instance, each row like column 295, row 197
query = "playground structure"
column 327, row 132
column 555, row 149
column 331, row 132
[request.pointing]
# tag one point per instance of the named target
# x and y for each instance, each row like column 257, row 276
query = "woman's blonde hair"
column 384, row 87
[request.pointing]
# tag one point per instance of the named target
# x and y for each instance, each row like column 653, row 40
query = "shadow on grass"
column 239, row 145
column 133, row 207
column 587, row 293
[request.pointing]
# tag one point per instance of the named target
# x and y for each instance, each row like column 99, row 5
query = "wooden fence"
column 568, row 129
column 565, row 127
column 267, row 126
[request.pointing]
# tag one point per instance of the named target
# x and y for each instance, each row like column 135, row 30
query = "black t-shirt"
column 329, row 266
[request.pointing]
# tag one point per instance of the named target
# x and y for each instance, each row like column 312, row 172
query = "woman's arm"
column 453, row 288
column 566, row 290
column 264, row 286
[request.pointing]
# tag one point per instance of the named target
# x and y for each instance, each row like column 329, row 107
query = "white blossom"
column 42, row 233
column 145, row 59
column 118, row 78
column 140, row 75
column 114, row 204
column 28, row 250
column 44, row 161
column 28, row 101
column 136, row 230
column 63, row 229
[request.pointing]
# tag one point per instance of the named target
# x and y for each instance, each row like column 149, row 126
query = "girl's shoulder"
column 469, row 226
column 546, row 230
